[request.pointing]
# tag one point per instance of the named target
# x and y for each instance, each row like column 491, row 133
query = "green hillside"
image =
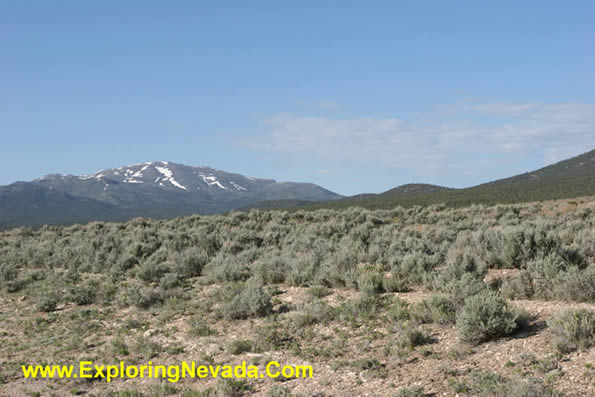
column 574, row 177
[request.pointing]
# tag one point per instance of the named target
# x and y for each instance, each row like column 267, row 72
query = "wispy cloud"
column 473, row 131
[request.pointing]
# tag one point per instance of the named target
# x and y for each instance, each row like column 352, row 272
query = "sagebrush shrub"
column 251, row 301
column 459, row 289
column 223, row 268
column 169, row 281
column 359, row 309
column 492, row 384
column 278, row 391
column 239, row 346
column 272, row 268
column 411, row 336
column 152, row 270
column 411, row 391
column 142, row 297
column 435, row 309
column 519, row 287
column 573, row 329
column 303, row 268
column 231, row 387
column 399, row 310
column 319, row 291
column 191, row 262
column 47, row 302
column 395, row 283
column 486, row 316
column 315, row 312
column 550, row 278
column 85, row 293
column 16, row 285
column 273, row 336
column 576, row 285
column 198, row 326
column 370, row 282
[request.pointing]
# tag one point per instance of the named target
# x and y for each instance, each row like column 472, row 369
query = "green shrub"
column 191, row 262
column 278, row 391
column 371, row 365
column 231, row 387
column 47, row 302
column 272, row 268
column 228, row 268
column 573, row 329
column 529, row 387
column 16, row 285
column 412, row 267
column 360, row 309
column 8, row 272
column 491, row 384
column 370, row 282
column 272, row 336
column 147, row 347
column 199, row 327
column 576, row 285
column 395, row 283
column 411, row 391
column 142, row 297
column 519, row 287
column 410, row 336
column 552, row 278
column 434, row 309
column 457, row 290
column 119, row 347
column 239, row 346
column 485, row 383
column 399, row 310
column 84, row 293
column 169, row 281
column 303, row 268
column 318, row 291
column 251, row 301
column 152, row 269
column 487, row 316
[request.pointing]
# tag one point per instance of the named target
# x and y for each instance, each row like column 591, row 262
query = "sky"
column 356, row 96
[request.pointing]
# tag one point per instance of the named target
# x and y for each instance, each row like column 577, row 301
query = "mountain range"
column 569, row 178
column 159, row 189
column 165, row 189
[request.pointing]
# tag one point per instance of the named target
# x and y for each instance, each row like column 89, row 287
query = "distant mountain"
column 404, row 190
column 414, row 188
column 574, row 177
column 164, row 190
column 158, row 189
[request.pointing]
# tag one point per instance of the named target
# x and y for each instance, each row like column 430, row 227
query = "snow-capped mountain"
column 152, row 189
column 166, row 175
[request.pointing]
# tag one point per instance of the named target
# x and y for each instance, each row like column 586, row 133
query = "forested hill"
column 569, row 178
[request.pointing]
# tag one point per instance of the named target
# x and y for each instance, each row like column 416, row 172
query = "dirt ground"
column 436, row 367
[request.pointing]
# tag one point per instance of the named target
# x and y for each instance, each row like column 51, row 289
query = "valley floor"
column 349, row 358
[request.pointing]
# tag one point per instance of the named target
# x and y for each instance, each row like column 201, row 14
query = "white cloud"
column 552, row 131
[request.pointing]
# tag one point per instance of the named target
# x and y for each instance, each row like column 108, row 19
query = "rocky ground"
column 349, row 358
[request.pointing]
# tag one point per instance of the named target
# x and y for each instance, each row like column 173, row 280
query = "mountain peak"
column 158, row 173
column 149, row 189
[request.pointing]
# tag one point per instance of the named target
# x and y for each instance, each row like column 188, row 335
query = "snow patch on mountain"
column 169, row 176
column 211, row 180
column 238, row 187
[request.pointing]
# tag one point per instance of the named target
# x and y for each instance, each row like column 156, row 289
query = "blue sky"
column 357, row 96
